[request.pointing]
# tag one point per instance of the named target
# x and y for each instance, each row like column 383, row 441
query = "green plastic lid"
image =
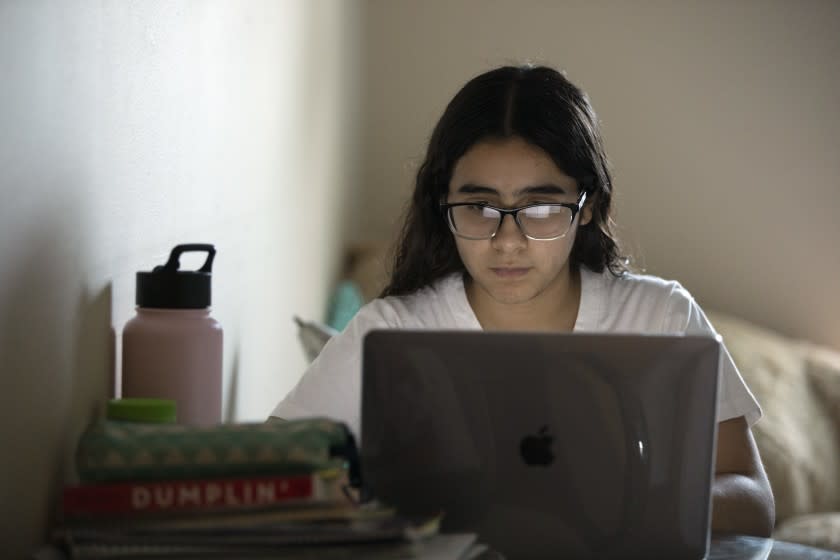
column 158, row 411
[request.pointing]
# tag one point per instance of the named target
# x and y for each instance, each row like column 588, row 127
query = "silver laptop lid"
column 547, row 445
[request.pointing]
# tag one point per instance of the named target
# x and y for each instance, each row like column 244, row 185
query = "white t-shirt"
column 630, row 303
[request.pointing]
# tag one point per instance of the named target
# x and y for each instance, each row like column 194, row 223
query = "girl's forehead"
column 508, row 165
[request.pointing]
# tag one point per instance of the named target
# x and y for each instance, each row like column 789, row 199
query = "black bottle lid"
column 166, row 287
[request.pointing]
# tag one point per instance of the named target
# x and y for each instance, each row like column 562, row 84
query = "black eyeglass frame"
column 574, row 207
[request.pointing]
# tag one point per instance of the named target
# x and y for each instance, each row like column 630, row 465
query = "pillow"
column 821, row 530
column 313, row 336
column 798, row 387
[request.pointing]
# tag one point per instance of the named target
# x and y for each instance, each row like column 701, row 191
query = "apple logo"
column 536, row 449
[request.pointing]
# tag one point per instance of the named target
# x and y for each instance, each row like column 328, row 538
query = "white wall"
column 721, row 119
column 129, row 127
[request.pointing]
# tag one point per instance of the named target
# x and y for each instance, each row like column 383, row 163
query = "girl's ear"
column 585, row 213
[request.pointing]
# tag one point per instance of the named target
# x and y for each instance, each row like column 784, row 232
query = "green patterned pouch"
column 114, row 450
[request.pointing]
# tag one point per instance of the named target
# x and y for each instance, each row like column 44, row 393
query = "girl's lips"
column 509, row 272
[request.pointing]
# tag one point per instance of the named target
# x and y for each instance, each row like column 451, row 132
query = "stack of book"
column 205, row 505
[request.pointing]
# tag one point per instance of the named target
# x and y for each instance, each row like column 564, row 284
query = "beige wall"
column 721, row 119
column 129, row 127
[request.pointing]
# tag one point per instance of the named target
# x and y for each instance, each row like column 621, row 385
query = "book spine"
column 215, row 494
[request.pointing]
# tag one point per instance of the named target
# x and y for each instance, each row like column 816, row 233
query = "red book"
column 197, row 495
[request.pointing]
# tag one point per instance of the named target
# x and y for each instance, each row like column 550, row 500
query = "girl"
column 509, row 229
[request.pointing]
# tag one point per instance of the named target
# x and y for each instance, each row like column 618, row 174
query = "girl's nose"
column 509, row 237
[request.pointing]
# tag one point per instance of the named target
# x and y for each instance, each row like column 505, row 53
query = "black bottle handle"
column 173, row 264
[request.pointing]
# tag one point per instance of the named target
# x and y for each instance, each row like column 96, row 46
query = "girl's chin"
column 509, row 295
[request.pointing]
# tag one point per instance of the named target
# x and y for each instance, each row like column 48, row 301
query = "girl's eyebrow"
column 470, row 188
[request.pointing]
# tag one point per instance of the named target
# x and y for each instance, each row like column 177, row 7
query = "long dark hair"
column 545, row 109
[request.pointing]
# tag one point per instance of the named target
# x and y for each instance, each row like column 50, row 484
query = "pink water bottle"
column 172, row 348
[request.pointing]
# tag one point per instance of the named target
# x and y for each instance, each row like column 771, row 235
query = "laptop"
column 546, row 445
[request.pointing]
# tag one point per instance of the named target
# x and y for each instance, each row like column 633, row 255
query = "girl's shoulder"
column 438, row 305
column 636, row 302
column 645, row 287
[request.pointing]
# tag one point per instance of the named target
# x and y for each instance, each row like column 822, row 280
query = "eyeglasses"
column 540, row 222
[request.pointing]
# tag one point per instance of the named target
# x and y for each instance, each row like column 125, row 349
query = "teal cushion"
column 345, row 302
